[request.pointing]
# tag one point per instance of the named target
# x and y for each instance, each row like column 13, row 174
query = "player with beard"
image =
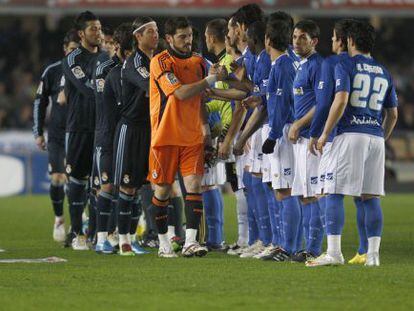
column 78, row 68
column 133, row 131
column 47, row 92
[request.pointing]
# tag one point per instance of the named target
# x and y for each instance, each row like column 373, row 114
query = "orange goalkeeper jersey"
column 173, row 121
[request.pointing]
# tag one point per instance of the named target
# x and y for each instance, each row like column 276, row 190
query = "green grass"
column 95, row 282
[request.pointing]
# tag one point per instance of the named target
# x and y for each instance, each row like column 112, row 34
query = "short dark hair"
column 108, row 31
column 281, row 16
column 256, row 31
column 123, row 36
column 363, row 35
column 247, row 15
column 310, row 27
column 279, row 34
column 71, row 36
column 341, row 30
column 81, row 21
column 217, row 28
column 139, row 21
column 174, row 23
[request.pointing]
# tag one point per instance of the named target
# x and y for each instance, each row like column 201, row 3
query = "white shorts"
column 255, row 154
column 221, row 173
column 282, row 162
column 210, row 176
column 266, row 170
column 305, row 180
column 240, row 165
column 323, row 166
column 356, row 166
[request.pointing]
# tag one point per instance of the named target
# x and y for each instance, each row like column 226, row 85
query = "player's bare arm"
column 390, row 119
column 299, row 124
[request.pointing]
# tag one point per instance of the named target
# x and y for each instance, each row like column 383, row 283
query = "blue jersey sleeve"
column 342, row 78
column 324, row 97
column 282, row 101
column 391, row 100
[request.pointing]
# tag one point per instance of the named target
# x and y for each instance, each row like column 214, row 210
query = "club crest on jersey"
column 78, row 72
column 171, row 78
column 298, row 90
column 68, row 169
column 40, row 88
column 154, row 174
column 126, row 179
column 100, row 83
column 143, row 72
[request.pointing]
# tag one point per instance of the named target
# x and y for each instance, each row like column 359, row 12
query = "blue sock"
column 335, row 214
column 219, row 215
column 279, row 218
column 299, row 234
column 306, row 216
column 360, row 218
column 265, row 231
column 291, row 222
column 322, row 205
column 251, row 207
column 273, row 207
column 373, row 217
column 315, row 230
column 210, row 209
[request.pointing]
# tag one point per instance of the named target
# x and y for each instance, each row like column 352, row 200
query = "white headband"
column 144, row 25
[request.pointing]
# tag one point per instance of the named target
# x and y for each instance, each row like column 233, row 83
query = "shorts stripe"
column 120, row 154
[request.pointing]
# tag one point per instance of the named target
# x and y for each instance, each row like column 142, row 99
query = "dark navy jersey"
column 112, row 97
column 325, row 94
column 47, row 92
column 78, row 70
column 370, row 89
column 103, row 65
column 280, row 104
column 135, row 88
column 304, row 87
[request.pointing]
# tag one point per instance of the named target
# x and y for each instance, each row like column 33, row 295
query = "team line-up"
column 141, row 121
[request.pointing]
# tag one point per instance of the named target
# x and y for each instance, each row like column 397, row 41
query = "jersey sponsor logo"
column 78, row 72
column 279, row 92
column 364, row 121
column 287, row 171
column 40, row 88
column 100, row 83
column 171, row 78
column 298, row 90
column 320, row 85
column 143, row 72
column 314, row 180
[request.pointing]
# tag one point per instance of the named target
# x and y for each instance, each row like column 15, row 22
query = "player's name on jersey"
column 369, row 68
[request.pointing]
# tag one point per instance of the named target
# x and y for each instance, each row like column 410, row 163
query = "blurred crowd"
column 29, row 44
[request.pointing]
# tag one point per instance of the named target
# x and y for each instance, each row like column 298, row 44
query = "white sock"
column 101, row 236
column 334, row 245
column 124, row 239
column 59, row 219
column 190, row 236
column 133, row 237
column 243, row 225
column 164, row 241
column 171, row 232
column 374, row 244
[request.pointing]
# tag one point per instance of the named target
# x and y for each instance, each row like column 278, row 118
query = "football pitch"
column 88, row 281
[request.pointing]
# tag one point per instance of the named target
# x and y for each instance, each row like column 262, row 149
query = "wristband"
column 211, row 79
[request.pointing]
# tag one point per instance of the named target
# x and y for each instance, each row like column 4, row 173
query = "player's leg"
column 135, row 216
column 361, row 255
column 56, row 155
column 78, row 167
column 191, row 161
column 372, row 189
